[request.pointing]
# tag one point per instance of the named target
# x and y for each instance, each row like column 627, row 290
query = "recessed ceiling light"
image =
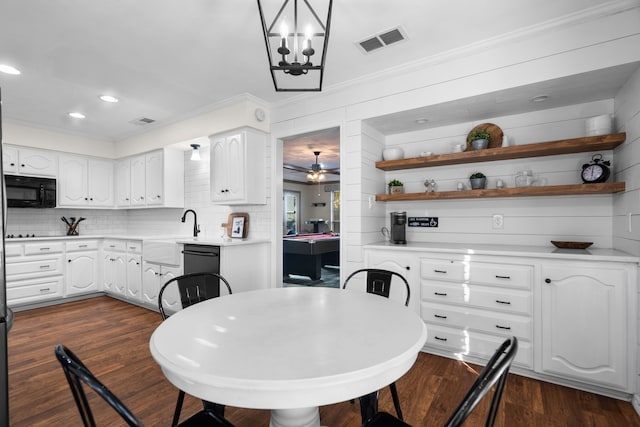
column 77, row 115
column 422, row 121
column 8, row 69
column 108, row 98
column 540, row 98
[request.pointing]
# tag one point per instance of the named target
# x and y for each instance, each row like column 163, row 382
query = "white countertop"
column 551, row 252
column 177, row 239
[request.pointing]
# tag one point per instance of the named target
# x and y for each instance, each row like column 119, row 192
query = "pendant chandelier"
column 294, row 30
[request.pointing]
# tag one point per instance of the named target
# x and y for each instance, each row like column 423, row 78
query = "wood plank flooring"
column 112, row 339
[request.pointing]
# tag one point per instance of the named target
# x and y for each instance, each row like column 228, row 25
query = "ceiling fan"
column 316, row 173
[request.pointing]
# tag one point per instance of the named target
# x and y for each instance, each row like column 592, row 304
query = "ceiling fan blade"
column 295, row 168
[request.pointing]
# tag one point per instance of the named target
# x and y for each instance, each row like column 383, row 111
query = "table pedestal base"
column 299, row 417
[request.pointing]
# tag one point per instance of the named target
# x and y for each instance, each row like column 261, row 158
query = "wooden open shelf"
column 549, row 190
column 550, row 148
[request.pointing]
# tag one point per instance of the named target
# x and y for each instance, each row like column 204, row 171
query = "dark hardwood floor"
column 112, row 339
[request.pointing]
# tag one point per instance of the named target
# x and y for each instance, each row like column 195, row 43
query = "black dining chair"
column 494, row 373
column 191, row 289
column 378, row 282
column 78, row 374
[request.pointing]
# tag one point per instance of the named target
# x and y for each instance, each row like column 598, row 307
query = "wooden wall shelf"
column 549, row 190
column 550, row 148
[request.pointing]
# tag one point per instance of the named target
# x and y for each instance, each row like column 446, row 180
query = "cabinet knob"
column 22, row 165
column 408, row 267
column 141, row 197
column 12, row 164
column 547, row 280
column 68, row 260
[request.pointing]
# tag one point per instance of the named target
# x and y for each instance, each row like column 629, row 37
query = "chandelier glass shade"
column 316, row 174
column 296, row 38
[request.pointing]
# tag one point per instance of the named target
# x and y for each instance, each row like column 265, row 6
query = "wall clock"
column 596, row 171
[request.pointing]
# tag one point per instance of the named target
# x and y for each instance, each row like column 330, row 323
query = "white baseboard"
column 636, row 403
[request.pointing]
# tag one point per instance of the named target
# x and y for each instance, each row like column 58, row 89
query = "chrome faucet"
column 196, row 227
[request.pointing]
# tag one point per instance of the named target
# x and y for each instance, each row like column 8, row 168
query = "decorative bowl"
column 392, row 153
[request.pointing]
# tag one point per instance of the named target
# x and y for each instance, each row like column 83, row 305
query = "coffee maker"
column 398, row 231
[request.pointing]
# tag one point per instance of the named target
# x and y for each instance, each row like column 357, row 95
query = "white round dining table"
column 289, row 350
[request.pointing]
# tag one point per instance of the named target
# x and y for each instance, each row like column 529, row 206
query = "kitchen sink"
column 162, row 251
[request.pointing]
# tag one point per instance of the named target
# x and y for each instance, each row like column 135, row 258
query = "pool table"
column 305, row 254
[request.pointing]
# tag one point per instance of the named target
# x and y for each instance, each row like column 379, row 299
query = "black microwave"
column 30, row 192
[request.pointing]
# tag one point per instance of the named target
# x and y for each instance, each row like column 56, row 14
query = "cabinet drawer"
column 33, row 290
column 443, row 269
column 13, row 250
column 42, row 266
column 475, row 344
column 518, row 276
column 43, row 248
column 115, row 245
column 134, row 247
column 83, row 245
column 511, row 301
column 479, row 320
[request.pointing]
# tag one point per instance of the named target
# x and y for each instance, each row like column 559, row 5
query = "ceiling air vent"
column 142, row 121
column 382, row 39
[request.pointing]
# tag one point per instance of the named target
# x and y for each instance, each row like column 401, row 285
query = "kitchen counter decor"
column 571, row 245
column 494, row 133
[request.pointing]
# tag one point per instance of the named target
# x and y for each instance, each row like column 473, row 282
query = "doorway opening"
column 311, row 209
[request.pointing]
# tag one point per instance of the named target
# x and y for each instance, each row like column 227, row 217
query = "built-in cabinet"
column 29, row 161
column 238, row 169
column 85, row 182
column 154, row 179
column 134, row 270
column 114, row 267
column 574, row 314
column 153, row 277
column 585, row 322
column 81, row 270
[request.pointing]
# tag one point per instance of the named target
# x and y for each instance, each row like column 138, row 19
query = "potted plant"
column 478, row 181
column 479, row 139
column 396, row 186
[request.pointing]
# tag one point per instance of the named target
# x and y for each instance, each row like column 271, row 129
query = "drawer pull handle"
column 44, row 289
column 503, row 302
column 502, row 277
column 440, row 339
column 440, row 294
column 112, row 246
column 440, row 271
column 508, row 328
column 439, row 316
column 45, row 249
column 44, row 266
column 82, row 246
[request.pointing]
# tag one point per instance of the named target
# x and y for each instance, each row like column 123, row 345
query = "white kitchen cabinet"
column 238, row 170
column 134, row 271
column 153, row 277
column 81, row 270
column 472, row 303
column 123, row 183
column 586, row 312
column 156, row 179
column 404, row 263
column 34, row 272
column 29, row 161
column 114, row 267
column 85, row 182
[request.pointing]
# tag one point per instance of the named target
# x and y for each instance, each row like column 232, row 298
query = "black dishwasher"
column 202, row 259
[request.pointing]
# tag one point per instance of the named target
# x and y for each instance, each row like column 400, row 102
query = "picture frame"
column 237, row 225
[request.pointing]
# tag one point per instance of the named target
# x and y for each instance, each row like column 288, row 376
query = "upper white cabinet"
column 152, row 179
column 29, row 161
column 85, row 182
column 238, row 168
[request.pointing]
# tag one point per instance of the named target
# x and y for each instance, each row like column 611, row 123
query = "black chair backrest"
column 494, row 373
column 77, row 374
column 379, row 282
column 194, row 288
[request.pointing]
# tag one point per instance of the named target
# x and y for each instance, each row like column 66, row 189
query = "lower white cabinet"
column 134, row 277
column 34, row 272
column 404, row 263
column 574, row 314
column 122, row 267
column 585, row 318
column 81, row 270
column 153, row 277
